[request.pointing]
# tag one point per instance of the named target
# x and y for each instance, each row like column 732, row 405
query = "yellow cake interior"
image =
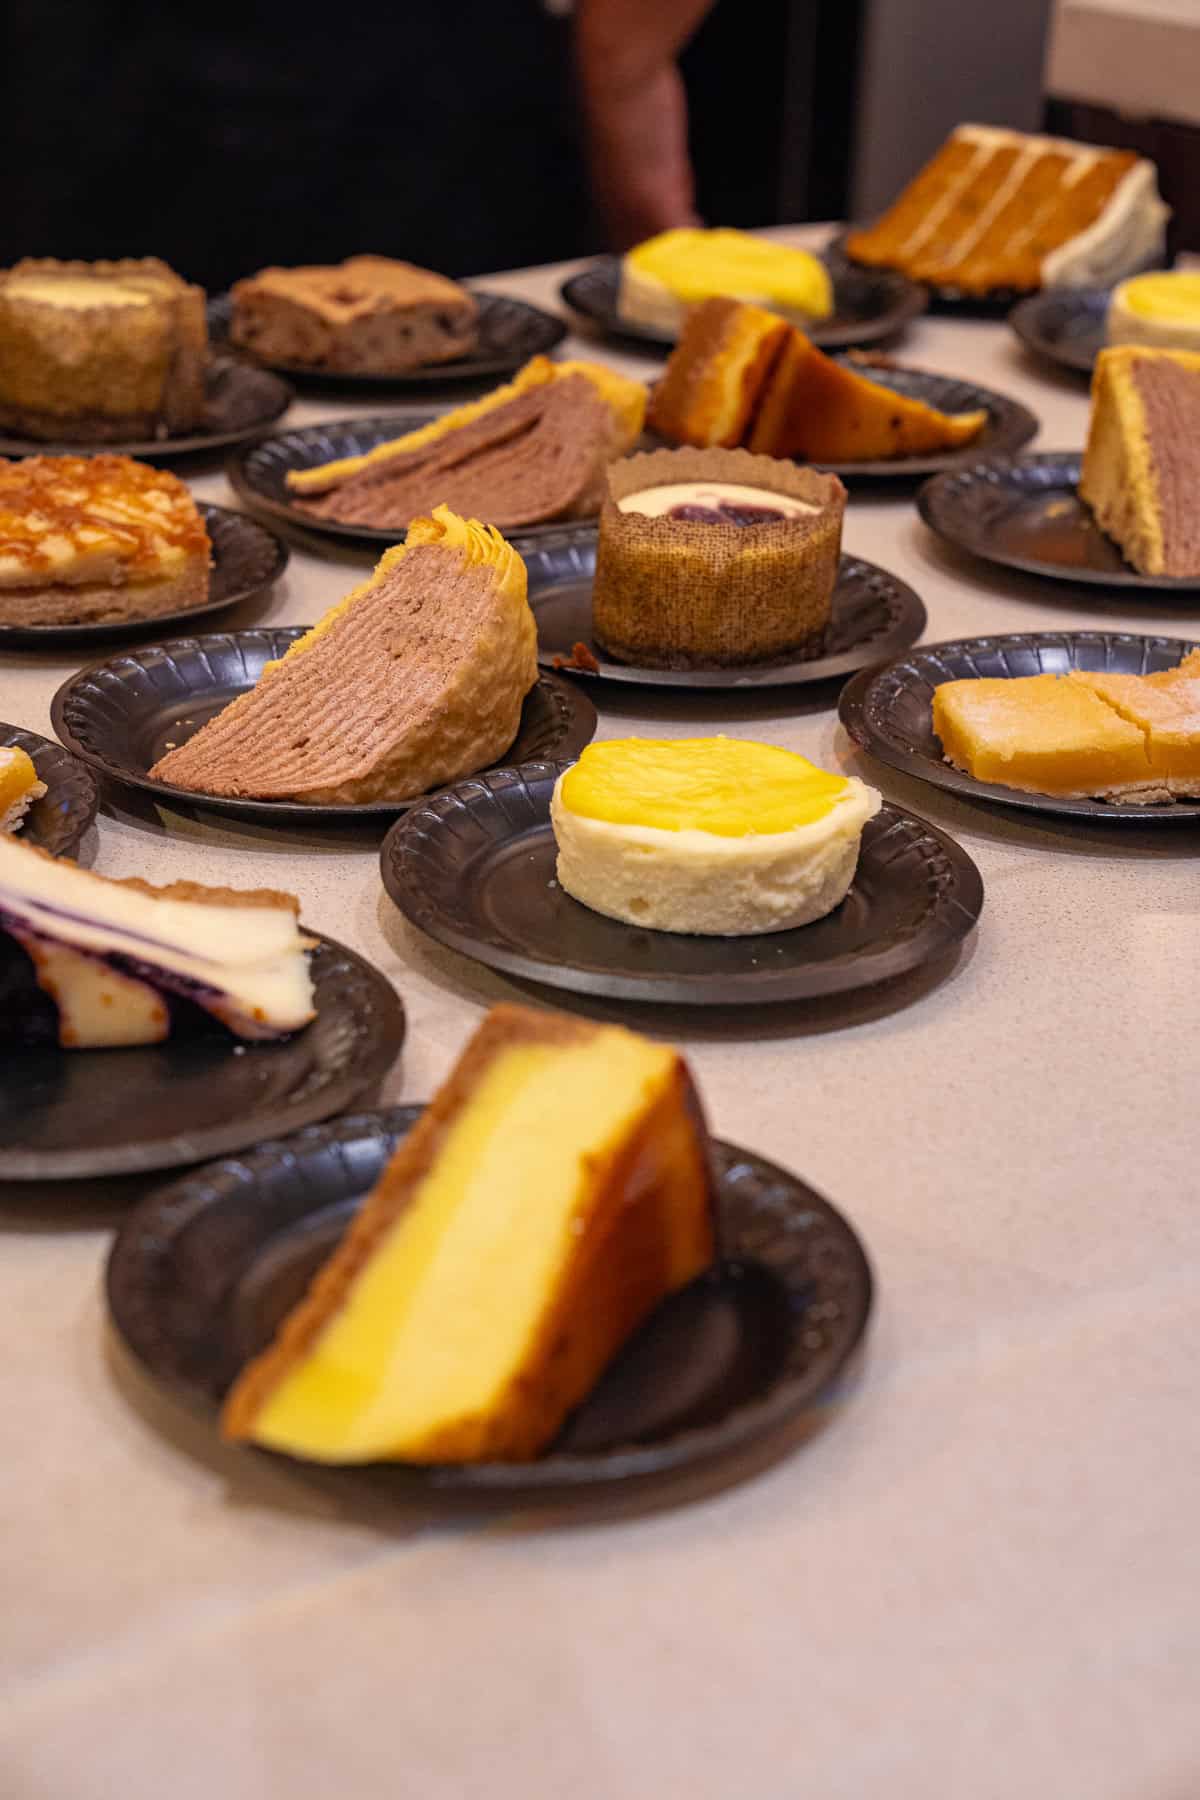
column 1167, row 715
column 442, row 1319
column 696, row 264
column 725, row 786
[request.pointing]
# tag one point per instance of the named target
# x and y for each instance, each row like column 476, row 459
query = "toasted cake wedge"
column 108, row 956
column 99, row 539
column 716, row 375
column 415, row 679
column 555, row 1190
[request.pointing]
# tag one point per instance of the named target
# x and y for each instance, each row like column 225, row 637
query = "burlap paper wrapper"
column 670, row 594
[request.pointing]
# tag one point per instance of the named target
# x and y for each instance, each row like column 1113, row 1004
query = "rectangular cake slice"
column 109, row 954
column 1046, row 734
column 367, row 315
column 1167, row 715
column 553, row 1192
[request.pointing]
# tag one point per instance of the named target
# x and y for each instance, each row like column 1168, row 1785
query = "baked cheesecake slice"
column 19, row 786
column 555, row 1190
column 662, row 277
column 1046, row 734
column 108, row 956
column 97, row 540
column 1141, row 463
column 414, row 679
column 102, row 350
column 715, row 836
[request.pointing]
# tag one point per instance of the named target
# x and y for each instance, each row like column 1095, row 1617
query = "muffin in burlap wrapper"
column 673, row 594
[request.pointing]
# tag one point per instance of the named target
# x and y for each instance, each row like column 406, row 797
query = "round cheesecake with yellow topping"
column 1161, row 310
column 714, row 836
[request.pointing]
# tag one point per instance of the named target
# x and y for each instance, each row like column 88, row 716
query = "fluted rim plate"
column 57, row 821
column 241, row 402
column 202, row 1271
column 1064, row 325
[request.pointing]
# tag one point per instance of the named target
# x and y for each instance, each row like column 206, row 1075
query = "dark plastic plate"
column 242, row 401
column 869, row 305
column 875, row 615
column 1065, row 325
column 247, row 558
column 474, row 868
column 122, row 715
column 59, row 819
column 68, row 1114
column 1024, row 512
column 258, row 473
column 888, row 711
column 1009, row 425
column 510, row 332
column 202, row 1272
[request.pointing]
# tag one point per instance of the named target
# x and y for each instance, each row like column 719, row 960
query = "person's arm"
column 636, row 112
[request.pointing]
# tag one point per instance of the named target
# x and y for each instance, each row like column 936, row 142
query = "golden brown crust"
column 713, row 380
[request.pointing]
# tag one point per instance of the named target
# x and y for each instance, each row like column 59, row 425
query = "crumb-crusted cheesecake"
column 414, row 679
column 100, row 351
column 108, row 959
column 716, row 836
column 997, row 209
column 1141, row 463
column 741, row 376
column 1160, row 310
column 662, row 277
column 97, row 539
column 715, row 557
column 556, row 1188
column 533, row 450
column 369, row 315
column 1082, row 735
column 19, row 786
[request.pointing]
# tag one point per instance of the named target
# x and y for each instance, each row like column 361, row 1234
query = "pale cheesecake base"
column 710, row 885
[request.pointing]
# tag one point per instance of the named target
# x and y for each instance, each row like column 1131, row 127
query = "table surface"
column 978, row 1579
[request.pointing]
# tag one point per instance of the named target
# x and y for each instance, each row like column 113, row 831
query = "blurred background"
column 474, row 135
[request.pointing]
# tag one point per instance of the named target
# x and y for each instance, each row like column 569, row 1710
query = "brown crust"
column 670, row 593
column 90, row 603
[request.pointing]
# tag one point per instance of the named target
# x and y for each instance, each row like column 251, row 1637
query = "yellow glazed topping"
column 18, row 777
column 721, row 785
column 1167, row 296
column 75, row 290
column 695, row 265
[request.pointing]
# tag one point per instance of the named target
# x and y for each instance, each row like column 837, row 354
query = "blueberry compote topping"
column 727, row 512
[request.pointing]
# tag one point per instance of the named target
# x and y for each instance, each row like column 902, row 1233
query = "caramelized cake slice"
column 716, row 375
column 819, row 410
column 414, row 679
column 100, row 350
column 367, row 315
column 555, row 1189
column 1007, row 209
column 1141, row 463
column 108, row 955
column 97, row 539
column 19, row 786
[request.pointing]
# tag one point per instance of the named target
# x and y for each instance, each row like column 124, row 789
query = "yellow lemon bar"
column 1045, row 734
column 1167, row 715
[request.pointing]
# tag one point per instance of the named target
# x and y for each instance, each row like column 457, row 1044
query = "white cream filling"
column 654, row 502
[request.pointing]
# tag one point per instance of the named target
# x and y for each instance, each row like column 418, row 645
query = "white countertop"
column 979, row 1580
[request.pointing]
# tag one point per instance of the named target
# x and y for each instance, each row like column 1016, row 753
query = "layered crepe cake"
column 998, row 209
column 1141, row 465
column 370, row 315
column 413, row 680
column 100, row 351
column 715, row 558
column 555, row 1189
column 715, row 836
column 88, row 540
column 741, row 376
column 531, row 451
column 91, row 963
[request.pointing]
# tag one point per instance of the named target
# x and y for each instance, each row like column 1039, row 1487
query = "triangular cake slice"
column 716, row 374
column 108, row 955
column 822, row 411
column 1142, row 461
column 415, row 679
column 552, row 1193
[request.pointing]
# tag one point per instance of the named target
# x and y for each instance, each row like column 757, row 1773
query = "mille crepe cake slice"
column 19, row 786
column 109, row 956
column 1141, row 466
column 367, row 315
column 555, row 1189
column 415, row 679
column 97, row 539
